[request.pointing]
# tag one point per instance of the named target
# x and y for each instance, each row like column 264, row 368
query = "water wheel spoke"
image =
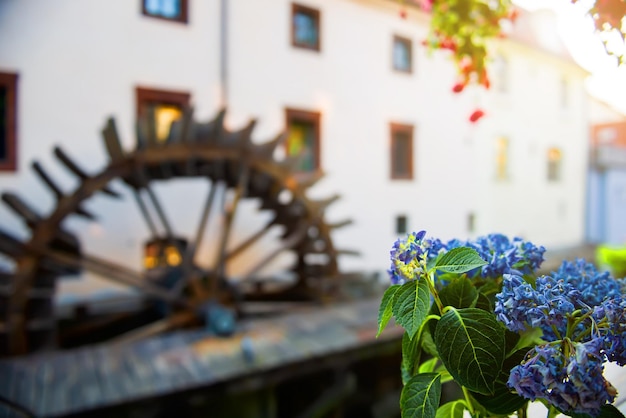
column 144, row 212
column 190, row 275
column 229, row 216
column 160, row 212
column 286, row 244
column 117, row 273
column 249, row 242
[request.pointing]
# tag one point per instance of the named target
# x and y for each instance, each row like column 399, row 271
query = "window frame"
column 554, row 167
column 401, row 128
column 405, row 40
column 317, row 14
column 502, row 159
column 184, row 13
column 10, row 81
column 145, row 95
column 307, row 116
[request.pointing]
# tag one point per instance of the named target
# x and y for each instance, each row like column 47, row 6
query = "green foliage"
column 471, row 344
column 502, row 401
column 607, row 411
column 420, row 396
column 385, row 312
column 410, row 305
column 451, row 410
column 459, row 293
column 459, row 260
column 452, row 333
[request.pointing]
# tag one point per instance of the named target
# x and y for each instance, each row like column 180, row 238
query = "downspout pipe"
column 223, row 58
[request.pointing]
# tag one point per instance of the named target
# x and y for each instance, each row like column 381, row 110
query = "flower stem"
column 430, row 279
column 468, row 400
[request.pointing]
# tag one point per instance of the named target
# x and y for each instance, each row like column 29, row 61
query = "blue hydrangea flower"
column 610, row 323
column 594, row 286
column 407, row 256
column 502, row 255
column 573, row 383
column 518, row 305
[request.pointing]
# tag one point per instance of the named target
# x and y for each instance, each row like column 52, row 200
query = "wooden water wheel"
column 232, row 163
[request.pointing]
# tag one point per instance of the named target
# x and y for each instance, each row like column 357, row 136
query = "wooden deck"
column 76, row 381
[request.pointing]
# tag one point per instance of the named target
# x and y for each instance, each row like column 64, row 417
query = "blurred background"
column 374, row 133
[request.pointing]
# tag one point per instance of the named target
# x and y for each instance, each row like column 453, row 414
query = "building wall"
column 79, row 63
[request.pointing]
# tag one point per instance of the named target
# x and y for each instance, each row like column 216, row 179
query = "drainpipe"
column 223, row 58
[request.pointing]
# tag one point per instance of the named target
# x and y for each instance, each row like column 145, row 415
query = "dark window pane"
column 306, row 30
column 401, row 227
column 402, row 154
column 302, row 142
column 3, row 122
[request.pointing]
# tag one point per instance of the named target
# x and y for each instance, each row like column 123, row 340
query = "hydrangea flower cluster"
column 409, row 255
column 503, row 255
column 572, row 382
column 582, row 314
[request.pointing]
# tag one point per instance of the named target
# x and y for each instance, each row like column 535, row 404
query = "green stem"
column 430, row 279
column 468, row 400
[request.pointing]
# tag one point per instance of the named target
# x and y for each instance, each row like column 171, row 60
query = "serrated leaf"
column 459, row 260
column 420, row 396
column 471, row 345
column 410, row 355
column 384, row 311
column 451, row 410
column 410, row 305
column 459, row 293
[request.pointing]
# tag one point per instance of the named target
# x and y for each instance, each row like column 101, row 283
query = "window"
column 471, row 222
column 402, row 54
column 502, row 159
column 174, row 10
column 554, row 164
column 303, row 138
column 401, row 224
column 401, row 151
column 166, row 105
column 305, row 27
column 8, row 121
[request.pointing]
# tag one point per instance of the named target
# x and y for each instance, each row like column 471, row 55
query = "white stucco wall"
column 81, row 61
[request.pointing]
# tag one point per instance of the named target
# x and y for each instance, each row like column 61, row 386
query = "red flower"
column 448, row 44
column 476, row 115
column 458, row 87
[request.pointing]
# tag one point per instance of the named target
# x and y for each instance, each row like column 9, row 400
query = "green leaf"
column 410, row 305
column 483, row 302
column 451, row 410
column 428, row 344
column 384, row 311
column 420, row 396
column 428, row 366
column 410, row 355
column 607, row 411
column 459, row 293
column 503, row 401
column 471, row 345
column 459, row 260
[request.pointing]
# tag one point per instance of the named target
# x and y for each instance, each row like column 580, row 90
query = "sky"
column 607, row 81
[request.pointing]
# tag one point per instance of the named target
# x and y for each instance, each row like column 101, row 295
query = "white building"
column 520, row 170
